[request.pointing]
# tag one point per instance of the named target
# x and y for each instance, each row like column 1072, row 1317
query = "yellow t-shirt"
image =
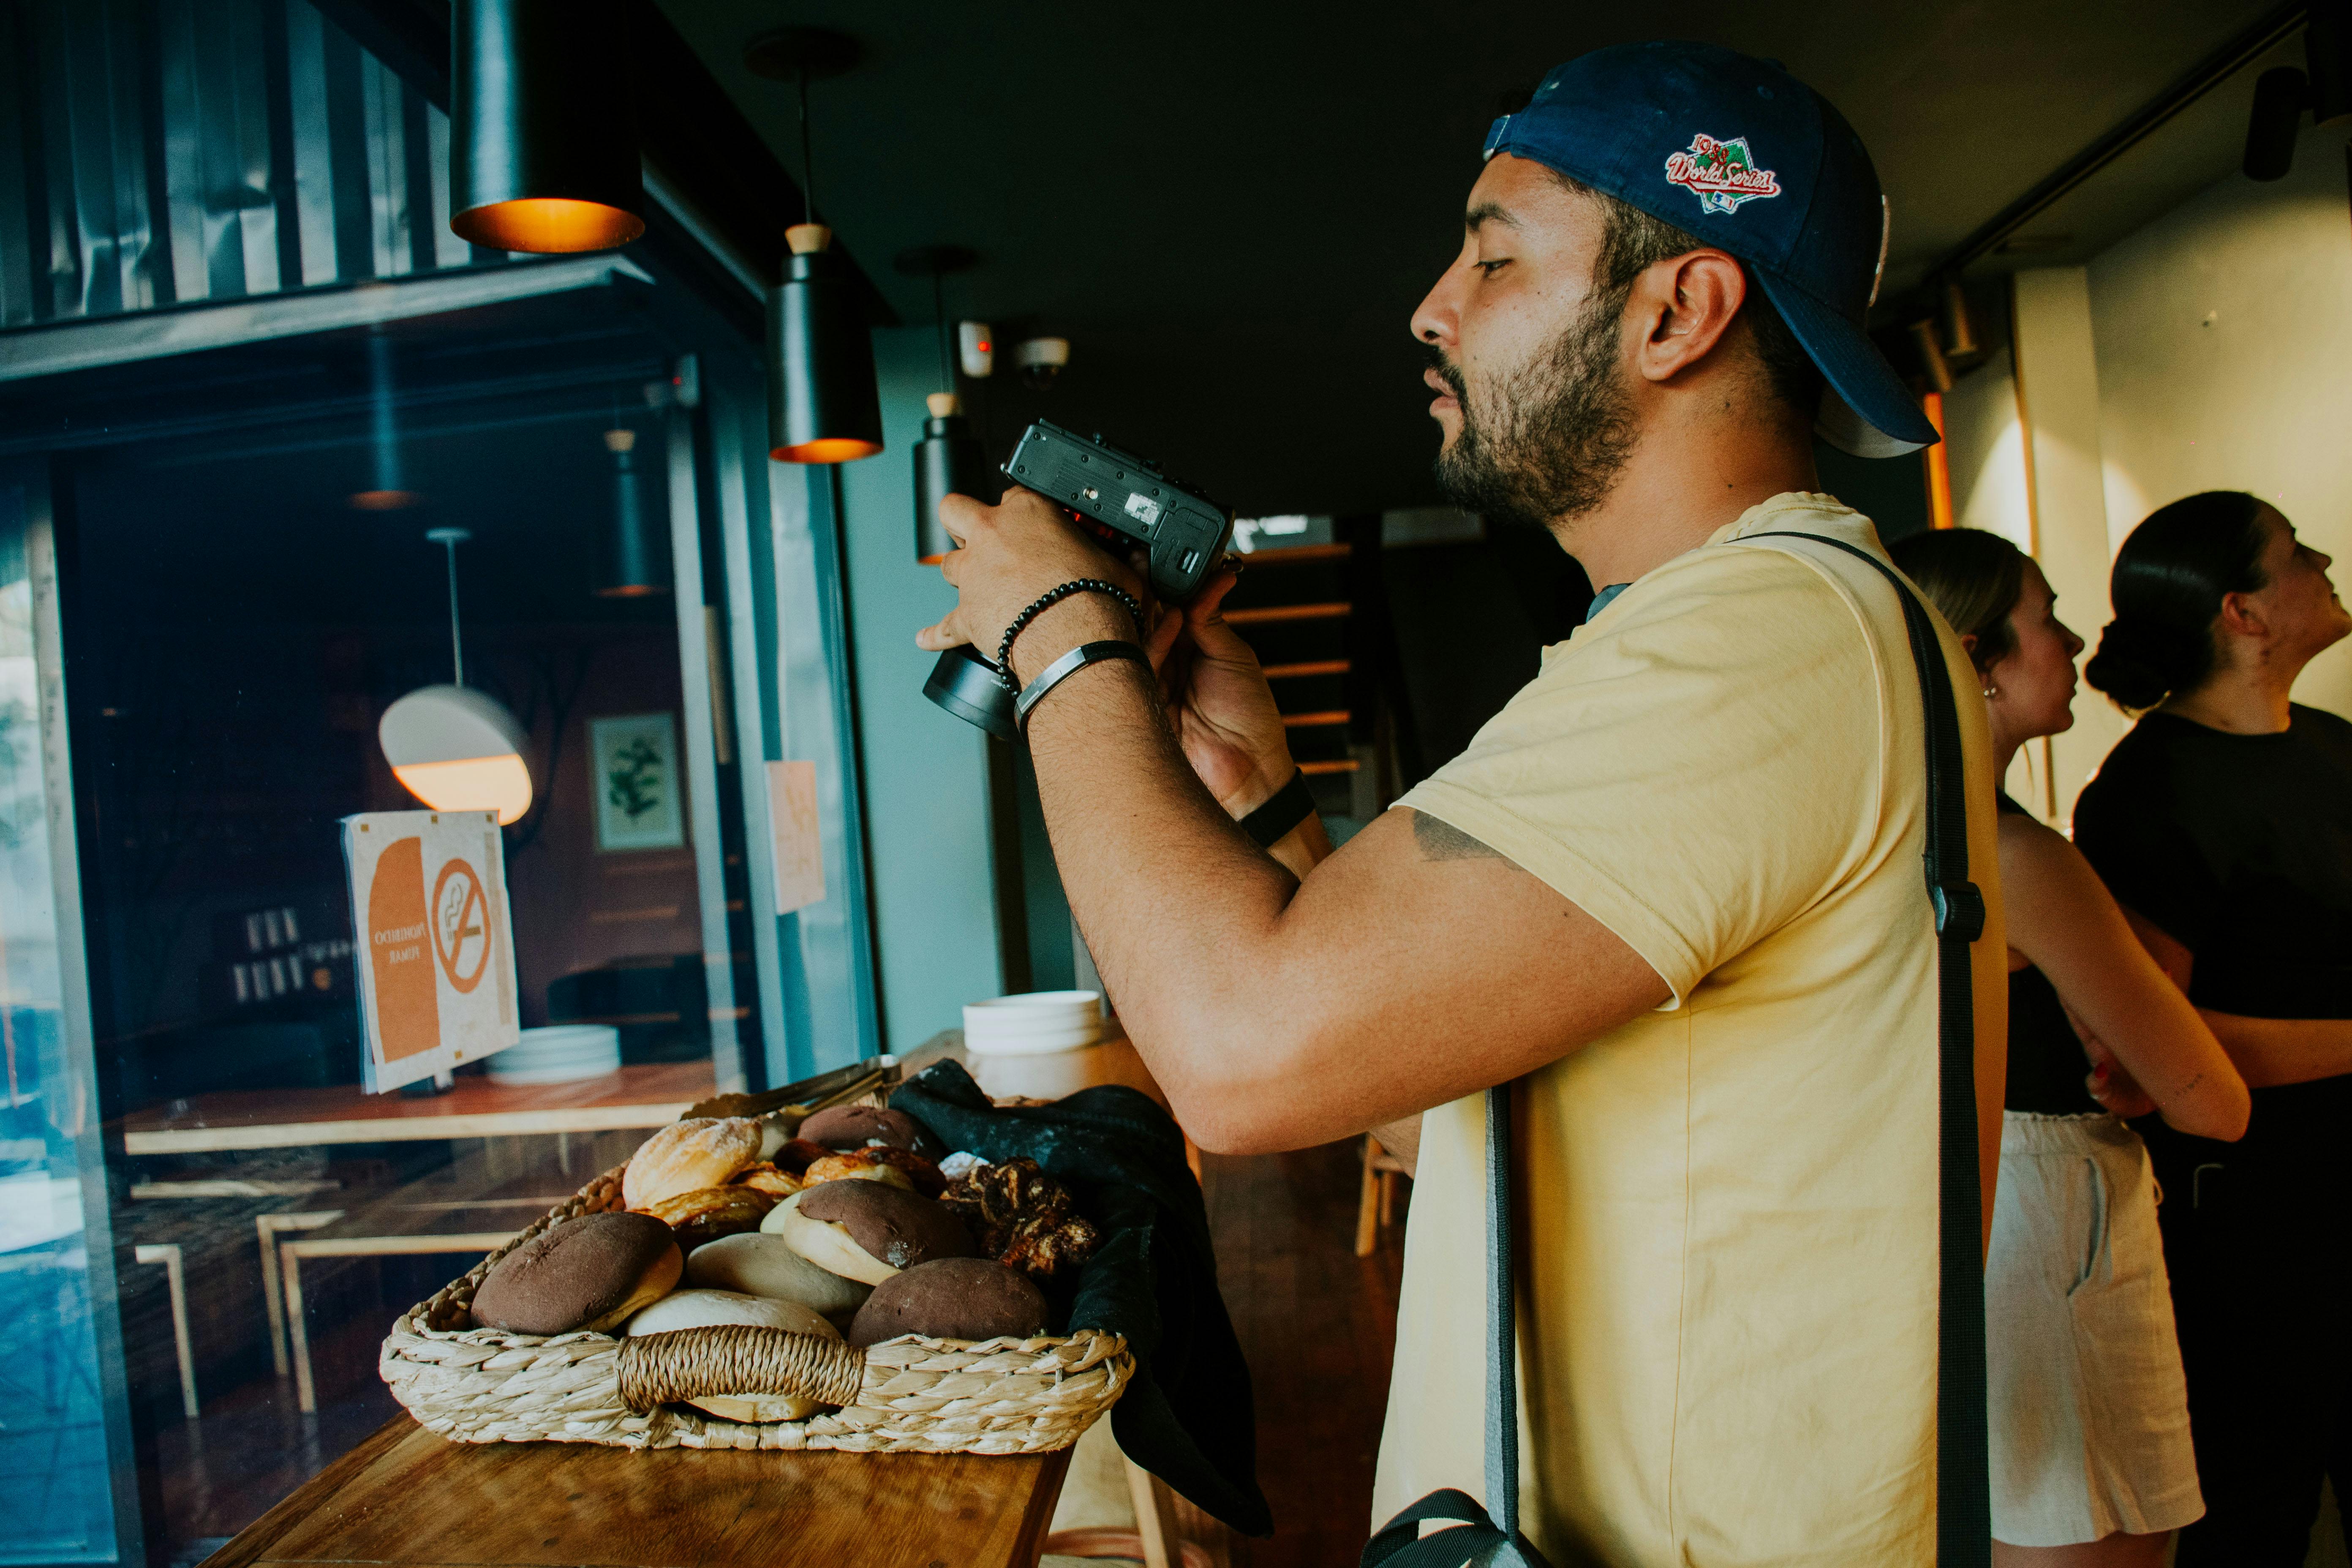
column 1727, row 1208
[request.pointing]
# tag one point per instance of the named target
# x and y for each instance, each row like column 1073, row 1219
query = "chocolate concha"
column 855, row 1126
column 868, row 1231
column 952, row 1299
column 585, row 1273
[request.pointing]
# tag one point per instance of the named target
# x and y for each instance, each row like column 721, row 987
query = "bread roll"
column 724, row 1309
column 858, row 1166
column 855, row 1126
column 710, row 1213
column 952, row 1299
column 686, row 1156
column 764, row 1177
column 767, row 1266
column 868, row 1231
column 585, row 1273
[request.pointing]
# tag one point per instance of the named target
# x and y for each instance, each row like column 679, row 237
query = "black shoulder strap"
column 1963, row 1466
column 1963, row 1469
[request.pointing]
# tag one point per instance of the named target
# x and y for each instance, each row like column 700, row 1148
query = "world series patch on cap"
column 1744, row 156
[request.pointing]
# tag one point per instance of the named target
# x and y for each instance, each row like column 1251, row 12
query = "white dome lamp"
column 452, row 747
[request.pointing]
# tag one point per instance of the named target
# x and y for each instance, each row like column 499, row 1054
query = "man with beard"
column 1673, row 889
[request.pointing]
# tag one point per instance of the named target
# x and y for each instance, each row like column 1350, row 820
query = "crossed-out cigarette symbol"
column 461, row 917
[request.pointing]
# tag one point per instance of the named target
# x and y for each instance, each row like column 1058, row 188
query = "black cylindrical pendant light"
column 947, row 461
column 634, row 564
column 542, row 142
column 823, row 406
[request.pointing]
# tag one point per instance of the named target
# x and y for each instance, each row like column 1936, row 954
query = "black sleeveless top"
column 2046, row 1064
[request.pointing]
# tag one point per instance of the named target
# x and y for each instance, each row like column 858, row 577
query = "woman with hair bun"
column 2092, row 1464
column 2224, row 821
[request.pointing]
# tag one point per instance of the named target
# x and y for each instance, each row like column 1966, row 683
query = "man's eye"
column 1490, row 267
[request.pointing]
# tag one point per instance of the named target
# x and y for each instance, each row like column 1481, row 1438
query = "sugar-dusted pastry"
column 585, row 1273
column 724, row 1309
column 766, row 1178
column 952, row 1299
column 686, row 1156
column 710, row 1213
column 867, row 1231
column 763, row 1265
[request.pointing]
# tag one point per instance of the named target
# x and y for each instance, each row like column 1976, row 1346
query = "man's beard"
column 1547, row 441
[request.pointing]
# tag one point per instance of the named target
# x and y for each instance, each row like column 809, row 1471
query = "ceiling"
column 1232, row 210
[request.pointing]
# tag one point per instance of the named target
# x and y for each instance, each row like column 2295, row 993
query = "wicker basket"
column 485, row 1385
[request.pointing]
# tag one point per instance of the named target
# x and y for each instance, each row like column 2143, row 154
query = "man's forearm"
column 2272, row 1051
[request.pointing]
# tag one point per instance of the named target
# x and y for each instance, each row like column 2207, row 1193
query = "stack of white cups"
column 1040, row 1045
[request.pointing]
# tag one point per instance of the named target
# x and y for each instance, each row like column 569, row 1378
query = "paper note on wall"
column 437, row 975
column 799, row 847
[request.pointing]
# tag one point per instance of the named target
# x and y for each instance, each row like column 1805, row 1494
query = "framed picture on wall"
column 632, row 760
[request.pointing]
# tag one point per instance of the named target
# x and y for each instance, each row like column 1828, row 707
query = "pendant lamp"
column 452, row 747
column 633, row 567
column 542, row 142
column 823, row 406
column 949, row 458
column 387, row 492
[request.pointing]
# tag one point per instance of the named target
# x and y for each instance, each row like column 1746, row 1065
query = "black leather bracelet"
column 1069, row 664
column 1291, row 804
column 1047, row 601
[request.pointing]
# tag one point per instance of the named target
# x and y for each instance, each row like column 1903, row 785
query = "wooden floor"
column 1317, row 1324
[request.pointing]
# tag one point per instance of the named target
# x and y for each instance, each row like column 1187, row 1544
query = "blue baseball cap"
column 1749, row 159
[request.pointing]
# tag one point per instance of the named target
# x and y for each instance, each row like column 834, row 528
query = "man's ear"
column 1684, row 305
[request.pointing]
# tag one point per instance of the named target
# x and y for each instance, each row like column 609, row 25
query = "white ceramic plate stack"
column 1035, row 1023
column 560, row 1053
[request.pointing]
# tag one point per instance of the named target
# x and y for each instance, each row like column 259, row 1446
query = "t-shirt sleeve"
column 2126, row 829
column 1696, row 768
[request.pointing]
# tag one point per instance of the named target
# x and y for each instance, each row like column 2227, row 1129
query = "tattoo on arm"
column 1443, row 841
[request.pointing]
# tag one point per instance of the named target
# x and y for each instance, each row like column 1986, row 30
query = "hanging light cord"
column 456, row 646
column 808, row 160
column 939, row 320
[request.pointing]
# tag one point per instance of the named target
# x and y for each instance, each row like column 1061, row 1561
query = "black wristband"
column 1291, row 804
column 1047, row 601
column 1069, row 664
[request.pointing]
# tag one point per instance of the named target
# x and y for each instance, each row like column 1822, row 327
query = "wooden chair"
column 1377, row 1208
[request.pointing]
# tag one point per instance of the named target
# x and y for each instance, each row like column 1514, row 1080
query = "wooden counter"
column 406, row 1499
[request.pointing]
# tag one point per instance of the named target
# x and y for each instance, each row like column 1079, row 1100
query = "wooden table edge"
column 251, row 1544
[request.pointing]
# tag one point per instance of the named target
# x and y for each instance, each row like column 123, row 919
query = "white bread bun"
column 726, row 1309
column 824, row 1243
column 767, row 1266
column 687, row 1156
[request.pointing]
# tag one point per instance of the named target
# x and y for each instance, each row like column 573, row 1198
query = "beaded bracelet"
column 1047, row 601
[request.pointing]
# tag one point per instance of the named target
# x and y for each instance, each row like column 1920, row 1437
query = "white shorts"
column 2089, row 1415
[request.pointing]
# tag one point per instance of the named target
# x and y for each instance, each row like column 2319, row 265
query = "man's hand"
column 1011, row 554
column 1218, row 701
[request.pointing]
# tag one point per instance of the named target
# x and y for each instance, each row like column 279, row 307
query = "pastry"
column 764, row 1177
column 585, row 1273
column 763, row 1265
column 710, row 1213
column 855, row 1126
column 686, row 1156
column 867, row 1231
column 952, row 1299
column 1023, row 1217
column 724, row 1309
column 796, row 1156
column 911, row 1169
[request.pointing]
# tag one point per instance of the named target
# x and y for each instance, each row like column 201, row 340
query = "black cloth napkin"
column 1187, row 1417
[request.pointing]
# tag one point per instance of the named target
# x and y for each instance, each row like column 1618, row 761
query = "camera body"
column 1122, row 499
column 1126, row 499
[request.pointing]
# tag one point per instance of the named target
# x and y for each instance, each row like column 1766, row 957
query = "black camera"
column 1123, row 499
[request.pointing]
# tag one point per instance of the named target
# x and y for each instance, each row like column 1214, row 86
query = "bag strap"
column 1963, row 1465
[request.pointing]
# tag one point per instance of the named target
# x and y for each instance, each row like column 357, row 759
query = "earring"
column 1990, row 692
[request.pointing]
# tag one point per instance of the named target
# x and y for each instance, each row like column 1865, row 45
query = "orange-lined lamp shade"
column 551, row 225
column 471, row 784
column 823, row 406
column 542, row 142
column 456, row 749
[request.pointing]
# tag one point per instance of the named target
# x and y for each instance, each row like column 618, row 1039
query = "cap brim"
column 1866, row 409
